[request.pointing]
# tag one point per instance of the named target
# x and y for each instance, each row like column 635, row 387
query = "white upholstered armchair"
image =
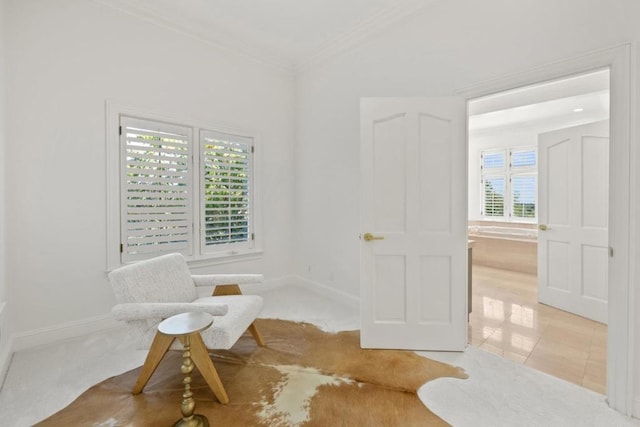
column 152, row 290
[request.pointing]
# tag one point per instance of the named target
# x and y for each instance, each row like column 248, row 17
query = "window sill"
column 224, row 258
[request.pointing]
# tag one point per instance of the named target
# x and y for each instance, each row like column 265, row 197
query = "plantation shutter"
column 493, row 196
column 227, row 174
column 524, row 183
column 156, row 189
column 523, row 158
column 523, row 195
column 493, row 170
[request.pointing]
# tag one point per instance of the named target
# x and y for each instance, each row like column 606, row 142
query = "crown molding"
column 369, row 27
column 215, row 38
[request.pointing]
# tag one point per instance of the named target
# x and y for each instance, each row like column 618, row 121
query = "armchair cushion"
column 243, row 309
column 163, row 279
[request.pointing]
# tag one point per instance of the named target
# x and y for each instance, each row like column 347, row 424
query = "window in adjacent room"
column 509, row 184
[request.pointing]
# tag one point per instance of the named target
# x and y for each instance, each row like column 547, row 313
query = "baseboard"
column 60, row 332
column 329, row 292
column 6, row 343
column 636, row 408
column 271, row 284
column 5, row 361
column 315, row 287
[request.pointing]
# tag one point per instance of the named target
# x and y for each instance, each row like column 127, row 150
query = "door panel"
column 434, row 134
column 413, row 188
column 573, row 204
column 558, row 173
column 595, row 190
column 436, row 298
column 390, row 289
column 388, row 169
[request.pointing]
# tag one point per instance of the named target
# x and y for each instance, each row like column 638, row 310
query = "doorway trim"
column 620, row 349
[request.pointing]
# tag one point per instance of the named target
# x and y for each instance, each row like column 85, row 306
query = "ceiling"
column 288, row 33
column 544, row 107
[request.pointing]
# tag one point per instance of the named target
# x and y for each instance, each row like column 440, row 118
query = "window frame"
column 508, row 172
column 114, row 163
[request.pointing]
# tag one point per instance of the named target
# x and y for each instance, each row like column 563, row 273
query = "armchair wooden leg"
column 159, row 347
column 256, row 334
column 226, row 290
column 235, row 290
column 200, row 357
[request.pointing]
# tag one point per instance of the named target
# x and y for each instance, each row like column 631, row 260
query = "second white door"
column 573, row 252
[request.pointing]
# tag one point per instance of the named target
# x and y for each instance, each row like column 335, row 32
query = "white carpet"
column 498, row 392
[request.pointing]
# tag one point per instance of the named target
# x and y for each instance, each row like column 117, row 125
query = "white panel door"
column 413, row 222
column 573, row 197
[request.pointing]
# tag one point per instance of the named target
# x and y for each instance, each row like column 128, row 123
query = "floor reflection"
column 507, row 320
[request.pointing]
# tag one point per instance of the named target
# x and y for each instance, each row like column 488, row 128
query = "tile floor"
column 508, row 321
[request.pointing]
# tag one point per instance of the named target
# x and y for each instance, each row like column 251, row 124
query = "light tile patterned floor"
column 507, row 320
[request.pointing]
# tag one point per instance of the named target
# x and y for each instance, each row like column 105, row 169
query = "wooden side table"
column 199, row 354
column 187, row 328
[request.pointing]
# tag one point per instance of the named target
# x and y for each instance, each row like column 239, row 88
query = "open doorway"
column 538, row 179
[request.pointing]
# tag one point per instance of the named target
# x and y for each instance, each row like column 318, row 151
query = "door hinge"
column 610, row 252
column 120, row 130
column 253, row 149
column 253, row 236
column 121, row 248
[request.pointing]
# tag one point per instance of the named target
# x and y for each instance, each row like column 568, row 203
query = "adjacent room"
column 528, row 199
column 452, row 181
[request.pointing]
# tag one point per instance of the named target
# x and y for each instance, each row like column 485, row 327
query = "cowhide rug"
column 303, row 377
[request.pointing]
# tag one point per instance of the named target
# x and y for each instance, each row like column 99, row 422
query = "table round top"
column 185, row 323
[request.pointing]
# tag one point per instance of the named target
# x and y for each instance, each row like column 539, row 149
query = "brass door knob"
column 369, row 237
column 543, row 227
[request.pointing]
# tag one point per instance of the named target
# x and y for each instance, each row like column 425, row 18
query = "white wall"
column 3, row 290
column 4, row 330
column 5, row 327
column 65, row 58
column 449, row 46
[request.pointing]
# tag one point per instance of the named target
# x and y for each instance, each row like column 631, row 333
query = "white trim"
column 232, row 44
column 298, row 281
column 113, row 110
column 366, row 29
column 636, row 408
column 5, row 361
column 210, row 35
column 329, row 292
column 6, row 341
column 621, row 62
column 63, row 331
column 272, row 284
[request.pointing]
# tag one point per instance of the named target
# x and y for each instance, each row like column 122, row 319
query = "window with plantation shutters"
column 509, row 184
column 156, row 206
column 226, row 191
column 180, row 188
